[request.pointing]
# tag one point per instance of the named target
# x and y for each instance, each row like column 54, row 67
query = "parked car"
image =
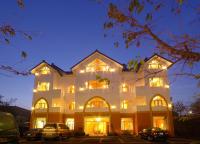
column 153, row 134
column 9, row 132
column 55, row 131
column 33, row 134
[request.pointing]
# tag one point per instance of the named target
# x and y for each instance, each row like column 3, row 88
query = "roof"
column 59, row 70
column 124, row 66
column 96, row 51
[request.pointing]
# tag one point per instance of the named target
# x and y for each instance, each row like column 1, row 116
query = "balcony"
column 159, row 108
column 149, row 91
column 56, row 93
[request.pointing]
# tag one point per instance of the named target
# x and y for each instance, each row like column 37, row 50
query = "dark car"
column 153, row 134
column 55, row 131
column 33, row 134
column 9, row 132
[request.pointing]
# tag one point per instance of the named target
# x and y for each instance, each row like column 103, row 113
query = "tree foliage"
column 179, row 108
column 7, row 32
column 6, row 103
column 139, row 21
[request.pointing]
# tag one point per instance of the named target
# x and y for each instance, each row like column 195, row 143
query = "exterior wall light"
column 113, row 107
column 164, row 67
column 81, row 89
column 36, row 74
column 32, row 108
column 166, row 86
column 190, row 112
column 82, row 71
column 34, row 90
column 169, row 105
column 112, row 70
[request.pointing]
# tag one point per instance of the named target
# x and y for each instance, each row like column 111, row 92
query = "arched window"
column 158, row 101
column 97, row 103
column 41, row 104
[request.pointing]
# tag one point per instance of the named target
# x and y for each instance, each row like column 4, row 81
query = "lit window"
column 72, row 106
column 158, row 101
column 126, row 124
column 95, row 84
column 160, row 122
column 45, row 70
column 154, row 64
column 124, row 87
column 71, row 89
column 43, row 86
column 41, row 104
column 124, row 104
column 97, row 65
column 155, row 82
column 40, row 122
column 97, row 103
column 70, row 123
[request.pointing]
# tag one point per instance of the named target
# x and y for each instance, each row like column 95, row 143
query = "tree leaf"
column 23, row 54
column 148, row 17
column 140, row 9
column 7, row 41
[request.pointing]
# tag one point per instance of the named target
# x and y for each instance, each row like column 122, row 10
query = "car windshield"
column 7, row 122
column 50, row 126
column 62, row 126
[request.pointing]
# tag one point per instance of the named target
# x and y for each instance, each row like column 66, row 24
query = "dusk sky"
column 64, row 32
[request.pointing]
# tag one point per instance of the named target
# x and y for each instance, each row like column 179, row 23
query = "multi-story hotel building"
column 100, row 95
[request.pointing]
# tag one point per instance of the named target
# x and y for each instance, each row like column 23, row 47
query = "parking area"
column 110, row 140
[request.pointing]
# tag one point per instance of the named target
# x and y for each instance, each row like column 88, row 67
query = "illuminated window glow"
column 155, row 82
column 97, row 103
column 41, row 104
column 124, row 87
column 70, row 123
column 43, row 86
column 124, row 104
column 71, row 89
column 95, row 84
column 158, row 101
column 72, row 106
column 154, row 64
column 160, row 122
column 40, row 122
column 126, row 124
column 45, row 70
column 97, row 65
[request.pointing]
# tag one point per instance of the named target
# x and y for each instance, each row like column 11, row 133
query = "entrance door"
column 96, row 126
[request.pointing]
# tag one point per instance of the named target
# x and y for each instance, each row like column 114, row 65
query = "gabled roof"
column 59, row 70
column 155, row 54
column 96, row 51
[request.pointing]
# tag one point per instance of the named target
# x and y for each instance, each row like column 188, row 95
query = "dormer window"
column 154, row 64
column 97, row 65
column 45, row 70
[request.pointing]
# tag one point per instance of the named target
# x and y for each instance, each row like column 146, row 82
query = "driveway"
column 111, row 140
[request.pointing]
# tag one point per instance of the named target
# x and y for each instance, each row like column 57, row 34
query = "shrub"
column 79, row 133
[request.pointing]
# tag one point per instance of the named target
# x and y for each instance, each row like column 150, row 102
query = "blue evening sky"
column 64, row 32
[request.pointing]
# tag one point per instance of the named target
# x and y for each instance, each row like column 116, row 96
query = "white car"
column 55, row 131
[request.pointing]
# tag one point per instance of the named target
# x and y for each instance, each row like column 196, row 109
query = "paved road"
column 110, row 140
